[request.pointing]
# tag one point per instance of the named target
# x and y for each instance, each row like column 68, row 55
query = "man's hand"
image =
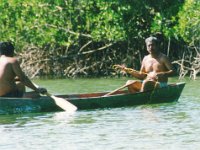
column 122, row 67
column 152, row 76
column 41, row 90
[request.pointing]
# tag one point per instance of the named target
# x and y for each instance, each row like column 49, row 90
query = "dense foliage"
column 86, row 37
column 189, row 22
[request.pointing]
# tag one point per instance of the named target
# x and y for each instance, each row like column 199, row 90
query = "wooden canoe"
column 92, row 101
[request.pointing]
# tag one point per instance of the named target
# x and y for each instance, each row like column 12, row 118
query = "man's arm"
column 141, row 75
column 22, row 77
column 170, row 70
column 137, row 74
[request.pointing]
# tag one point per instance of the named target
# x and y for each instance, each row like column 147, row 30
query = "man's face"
column 151, row 47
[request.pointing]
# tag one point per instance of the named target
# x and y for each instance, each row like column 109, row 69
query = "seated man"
column 155, row 69
column 11, row 73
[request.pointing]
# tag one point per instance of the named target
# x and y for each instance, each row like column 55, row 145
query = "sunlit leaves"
column 49, row 21
column 68, row 22
column 189, row 23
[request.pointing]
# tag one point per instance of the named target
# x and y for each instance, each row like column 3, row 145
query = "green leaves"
column 189, row 22
column 56, row 21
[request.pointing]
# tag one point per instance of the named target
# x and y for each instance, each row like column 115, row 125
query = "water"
column 147, row 127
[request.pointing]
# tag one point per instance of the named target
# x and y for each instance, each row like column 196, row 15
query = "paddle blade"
column 61, row 102
column 64, row 104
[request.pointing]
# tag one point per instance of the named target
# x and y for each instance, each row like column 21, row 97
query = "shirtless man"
column 9, row 71
column 155, row 69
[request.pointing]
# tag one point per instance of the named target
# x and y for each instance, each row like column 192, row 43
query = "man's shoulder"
column 147, row 56
column 12, row 59
column 164, row 56
column 9, row 60
column 165, row 59
column 3, row 57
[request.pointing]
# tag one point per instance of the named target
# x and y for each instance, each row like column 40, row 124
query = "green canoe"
column 92, row 100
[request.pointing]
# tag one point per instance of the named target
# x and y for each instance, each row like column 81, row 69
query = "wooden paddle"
column 128, row 70
column 61, row 102
column 112, row 92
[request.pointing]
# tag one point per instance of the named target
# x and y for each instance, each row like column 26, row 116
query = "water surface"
column 160, row 126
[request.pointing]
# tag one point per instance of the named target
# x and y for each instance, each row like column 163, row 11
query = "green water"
column 147, row 127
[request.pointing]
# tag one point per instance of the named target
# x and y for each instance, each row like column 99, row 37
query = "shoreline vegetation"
column 39, row 63
column 85, row 38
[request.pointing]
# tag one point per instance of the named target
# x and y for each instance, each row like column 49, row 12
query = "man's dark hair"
column 6, row 48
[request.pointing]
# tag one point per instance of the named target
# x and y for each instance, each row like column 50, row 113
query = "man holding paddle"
column 12, row 78
column 154, row 72
column 10, row 72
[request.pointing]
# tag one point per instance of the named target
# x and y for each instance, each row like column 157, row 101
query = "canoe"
column 122, row 98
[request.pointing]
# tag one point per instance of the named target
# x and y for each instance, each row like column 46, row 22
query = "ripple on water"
column 161, row 126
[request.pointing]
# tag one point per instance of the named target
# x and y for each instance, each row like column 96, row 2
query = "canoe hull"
column 92, row 101
column 164, row 95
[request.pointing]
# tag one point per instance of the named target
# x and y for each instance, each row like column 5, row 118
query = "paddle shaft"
column 112, row 92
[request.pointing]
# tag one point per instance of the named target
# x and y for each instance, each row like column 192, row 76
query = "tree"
column 189, row 22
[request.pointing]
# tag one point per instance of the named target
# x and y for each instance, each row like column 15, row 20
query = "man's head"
column 7, row 49
column 152, row 44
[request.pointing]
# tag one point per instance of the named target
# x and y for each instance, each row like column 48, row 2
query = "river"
column 147, row 127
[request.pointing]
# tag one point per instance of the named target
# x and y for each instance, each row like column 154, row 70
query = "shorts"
column 13, row 94
column 163, row 84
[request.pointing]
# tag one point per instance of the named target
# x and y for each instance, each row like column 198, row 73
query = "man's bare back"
column 9, row 70
column 7, row 76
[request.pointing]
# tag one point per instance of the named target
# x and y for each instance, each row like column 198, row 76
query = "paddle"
column 127, row 70
column 61, row 102
column 112, row 92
